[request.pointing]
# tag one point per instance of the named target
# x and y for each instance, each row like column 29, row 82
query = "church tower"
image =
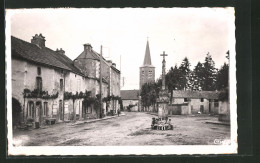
column 147, row 70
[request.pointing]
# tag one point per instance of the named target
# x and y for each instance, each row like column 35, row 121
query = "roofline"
column 115, row 69
column 194, row 97
column 48, row 65
column 128, row 99
column 19, row 57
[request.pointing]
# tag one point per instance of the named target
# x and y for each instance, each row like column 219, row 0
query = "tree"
column 185, row 73
column 174, row 80
column 149, row 94
column 222, row 77
column 197, row 77
column 209, row 74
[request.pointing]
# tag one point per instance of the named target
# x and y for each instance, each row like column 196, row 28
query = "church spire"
column 147, row 57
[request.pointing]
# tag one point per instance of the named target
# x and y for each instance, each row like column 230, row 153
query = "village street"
column 131, row 129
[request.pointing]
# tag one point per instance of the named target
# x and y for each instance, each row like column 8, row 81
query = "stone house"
column 130, row 98
column 88, row 62
column 41, row 79
column 194, row 102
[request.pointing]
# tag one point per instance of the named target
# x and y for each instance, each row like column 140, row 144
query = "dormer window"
column 39, row 71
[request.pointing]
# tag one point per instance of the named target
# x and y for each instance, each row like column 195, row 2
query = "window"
column 39, row 71
column 61, row 84
column 202, row 100
column 185, row 99
column 45, row 109
column 30, row 111
column 39, row 83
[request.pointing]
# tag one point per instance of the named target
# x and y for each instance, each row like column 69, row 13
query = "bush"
column 111, row 113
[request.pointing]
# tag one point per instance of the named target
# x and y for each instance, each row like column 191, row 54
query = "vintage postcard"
column 120, row 81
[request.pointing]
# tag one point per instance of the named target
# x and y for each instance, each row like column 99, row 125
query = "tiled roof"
column 68, row 62
column 88, row 55
column 195, row 94
column 43, row 55
column 33, row 53
column 129, row 94
column 95, row 56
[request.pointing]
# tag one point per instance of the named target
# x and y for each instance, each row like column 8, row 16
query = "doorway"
column 202, row 109
column 60, row 110
column 38, row 111
column 16, row 111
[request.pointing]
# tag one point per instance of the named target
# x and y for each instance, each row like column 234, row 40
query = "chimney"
column 61, row 51
column 87, row 47
column 113, row 64
column 38, row 40
column 109, row 62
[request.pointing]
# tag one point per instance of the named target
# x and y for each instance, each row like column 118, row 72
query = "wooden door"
column 202, row 108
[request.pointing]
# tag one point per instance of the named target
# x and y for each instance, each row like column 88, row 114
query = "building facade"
column 194, row 102
column 146, row 74
column 147, row 70
column 130, row 99
column 47, row 84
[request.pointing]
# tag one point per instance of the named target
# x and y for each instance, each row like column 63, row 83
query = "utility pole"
column 100, row 78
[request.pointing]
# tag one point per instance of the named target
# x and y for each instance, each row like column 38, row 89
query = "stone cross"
column 163, row 70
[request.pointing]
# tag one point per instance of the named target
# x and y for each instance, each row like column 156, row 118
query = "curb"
column 95, row 120
column 218, row 123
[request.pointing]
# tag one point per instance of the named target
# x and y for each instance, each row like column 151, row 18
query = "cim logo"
column 222, row 142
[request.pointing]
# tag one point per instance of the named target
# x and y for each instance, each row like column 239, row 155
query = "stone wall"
column 147, row 74
column 87, row 66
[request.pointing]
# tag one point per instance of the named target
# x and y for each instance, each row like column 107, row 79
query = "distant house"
column 130, row 99
column 194, row 102
column 88, row 62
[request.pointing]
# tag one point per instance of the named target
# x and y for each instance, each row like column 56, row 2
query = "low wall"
column 178, row 109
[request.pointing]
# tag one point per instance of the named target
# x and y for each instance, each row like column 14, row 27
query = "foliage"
column 223, row 95
column 204, row 75
column 197, row 77
column 174, row 80
column 209, row 72
column 109, row 98
column 111, row 113
column 222, row 77
column 38, row 94
column 149, row 94
column 185, row 72
column 129, row 107
column 80, row 95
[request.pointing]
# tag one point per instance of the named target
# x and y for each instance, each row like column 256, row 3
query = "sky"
column 123, row 33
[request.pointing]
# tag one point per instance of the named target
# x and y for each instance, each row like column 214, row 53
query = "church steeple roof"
column 147, row 57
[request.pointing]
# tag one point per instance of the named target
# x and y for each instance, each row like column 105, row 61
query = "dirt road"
column 131, row 129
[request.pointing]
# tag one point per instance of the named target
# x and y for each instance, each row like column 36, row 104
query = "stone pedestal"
column 162, row 103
